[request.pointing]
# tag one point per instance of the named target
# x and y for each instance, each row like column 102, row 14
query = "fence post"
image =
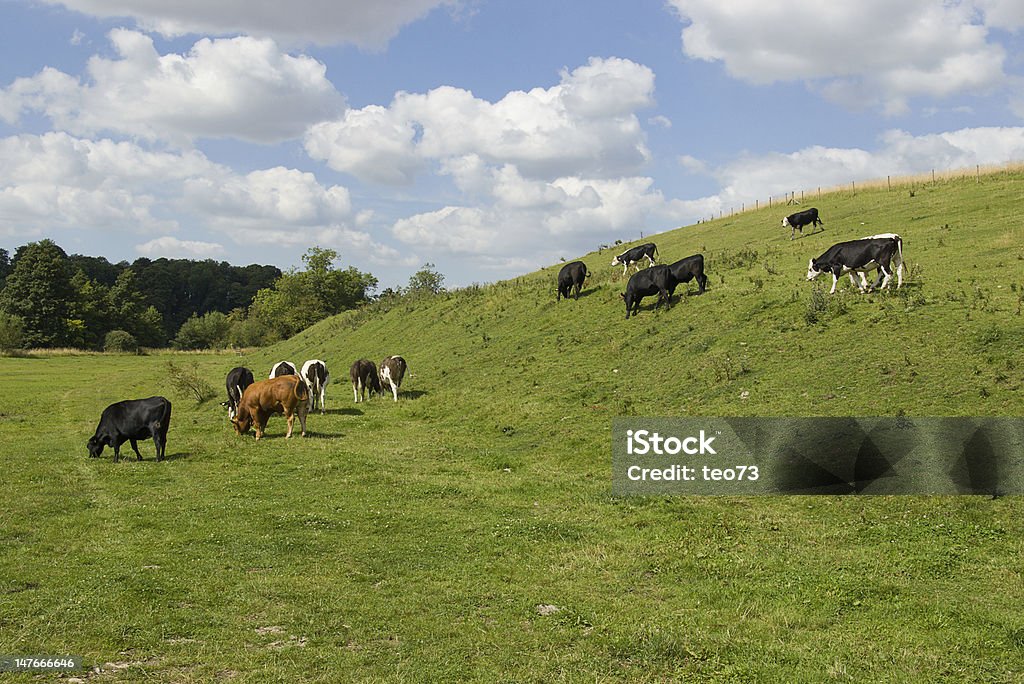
column 888, row 184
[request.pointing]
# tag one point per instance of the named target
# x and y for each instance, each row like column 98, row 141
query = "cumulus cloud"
column 536, row 221
column 586, row 125
column 755, row 177
column 57, row 181
column 326, row 22
column 169, row 246
column 240, row 87
column 874, row 52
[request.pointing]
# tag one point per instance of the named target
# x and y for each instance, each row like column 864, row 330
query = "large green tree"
column 299, row 299
column 39, row 291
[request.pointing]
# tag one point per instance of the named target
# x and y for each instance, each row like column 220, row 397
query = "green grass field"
column 420, row 541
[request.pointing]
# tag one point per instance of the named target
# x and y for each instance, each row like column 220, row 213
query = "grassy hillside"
column 421, row 541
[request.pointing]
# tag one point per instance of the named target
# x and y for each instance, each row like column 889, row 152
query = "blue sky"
column 490, row 138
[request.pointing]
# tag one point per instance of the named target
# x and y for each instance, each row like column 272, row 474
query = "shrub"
column 12, row 332
column 188, row 381
column 209, row 331
column 120, row 341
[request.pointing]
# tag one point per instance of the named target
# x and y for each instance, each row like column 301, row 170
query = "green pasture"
column 468, row 533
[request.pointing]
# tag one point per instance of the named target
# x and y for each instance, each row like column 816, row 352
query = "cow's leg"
column 302, row 421
column 625, row 265
column 135, row 448
column 290, row 418
column 117, row 450
column 835, row 279
column 394, row 390
column 323, row 391
column 888, row 276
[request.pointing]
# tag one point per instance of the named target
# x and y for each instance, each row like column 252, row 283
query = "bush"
column 188, row 381
column 209, row 331
column 120, row 341
column 12, row 332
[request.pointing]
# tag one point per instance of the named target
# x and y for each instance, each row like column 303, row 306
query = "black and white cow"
column 634, row 255
column 315, row 375
column 282, row 368
column 800, row 219
column 570, row 277
column 363, row 374
column 238, row 379
column 130, row 421
column 859, row 256
column 685, row 270
column 392, row 370
column 897, row 260
column 654, row 280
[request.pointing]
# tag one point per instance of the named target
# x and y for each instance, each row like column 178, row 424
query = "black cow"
column 238, row 379
column 571, row 276
column 282, row 368
column 363, row 374
column 860, row 256
column 685, row 270
column 634, row 255
column 797, row 221
column 654, row 280
column 130, row 421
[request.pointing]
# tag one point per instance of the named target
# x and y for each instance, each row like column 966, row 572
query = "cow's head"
column 785, row 222
column 230, row 408
column 616, row 262
column 814, row 270
column 241, row 421
column 95, row 446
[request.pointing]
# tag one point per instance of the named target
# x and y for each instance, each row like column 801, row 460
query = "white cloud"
column 56, row 181
column 1005, row 14
column 873, row 52
column 326, row 22
column 241, row 87
column 899, row 153
column 585, row 124
column 168, row 246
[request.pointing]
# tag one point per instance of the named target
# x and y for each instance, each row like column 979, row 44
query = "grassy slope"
column 412, row 541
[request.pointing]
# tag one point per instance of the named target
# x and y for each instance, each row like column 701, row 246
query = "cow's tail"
column 305, row 391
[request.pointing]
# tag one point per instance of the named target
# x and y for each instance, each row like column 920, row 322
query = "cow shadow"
column 412, row 395
column 321, row 435
column 174, row 457
column 803, row 235
column 583, row 293
column 340, row 412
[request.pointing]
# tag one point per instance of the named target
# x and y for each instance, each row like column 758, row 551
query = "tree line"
column 51, row 299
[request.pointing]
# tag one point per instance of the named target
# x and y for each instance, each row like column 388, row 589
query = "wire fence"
column 889, row 183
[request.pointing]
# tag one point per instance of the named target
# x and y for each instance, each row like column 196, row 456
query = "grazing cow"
column 364, row 374
column 896, row 258
column 282, row 368
column 685, row 270
column 131, row 421
column 238, row 379
column 859, row 256
column 634, row 255
column 654, row 280
column 800, row 219
column 571, row 276
column 392, row 370
column 286, row 394
column 314, row 373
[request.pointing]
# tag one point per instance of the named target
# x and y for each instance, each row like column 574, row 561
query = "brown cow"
column 364, row 375
column 286, row 394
